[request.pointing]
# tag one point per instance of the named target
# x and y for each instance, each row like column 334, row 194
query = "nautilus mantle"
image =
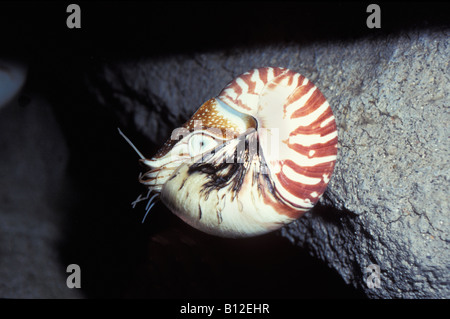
column 249, row 161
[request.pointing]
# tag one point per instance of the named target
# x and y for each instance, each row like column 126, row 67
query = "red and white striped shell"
column 252, row 159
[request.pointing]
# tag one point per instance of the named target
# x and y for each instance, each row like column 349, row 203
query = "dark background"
column 159, row 28
column 165, row 258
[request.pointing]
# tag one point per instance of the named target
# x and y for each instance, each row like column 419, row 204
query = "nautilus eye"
column 249, row 161
column 200, row 143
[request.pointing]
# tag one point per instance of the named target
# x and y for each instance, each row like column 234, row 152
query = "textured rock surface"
column 33, row 159
column 389, row 193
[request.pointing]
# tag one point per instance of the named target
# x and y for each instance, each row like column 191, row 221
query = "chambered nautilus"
column 249, row 161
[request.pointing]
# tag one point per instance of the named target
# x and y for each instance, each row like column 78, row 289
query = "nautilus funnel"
column 251, row 160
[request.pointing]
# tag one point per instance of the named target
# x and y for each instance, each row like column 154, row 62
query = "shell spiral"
column 252, row 159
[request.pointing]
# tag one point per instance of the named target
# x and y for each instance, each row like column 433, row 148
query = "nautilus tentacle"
column 252, row 159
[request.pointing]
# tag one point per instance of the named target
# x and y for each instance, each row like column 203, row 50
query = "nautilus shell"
column 249, row 161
